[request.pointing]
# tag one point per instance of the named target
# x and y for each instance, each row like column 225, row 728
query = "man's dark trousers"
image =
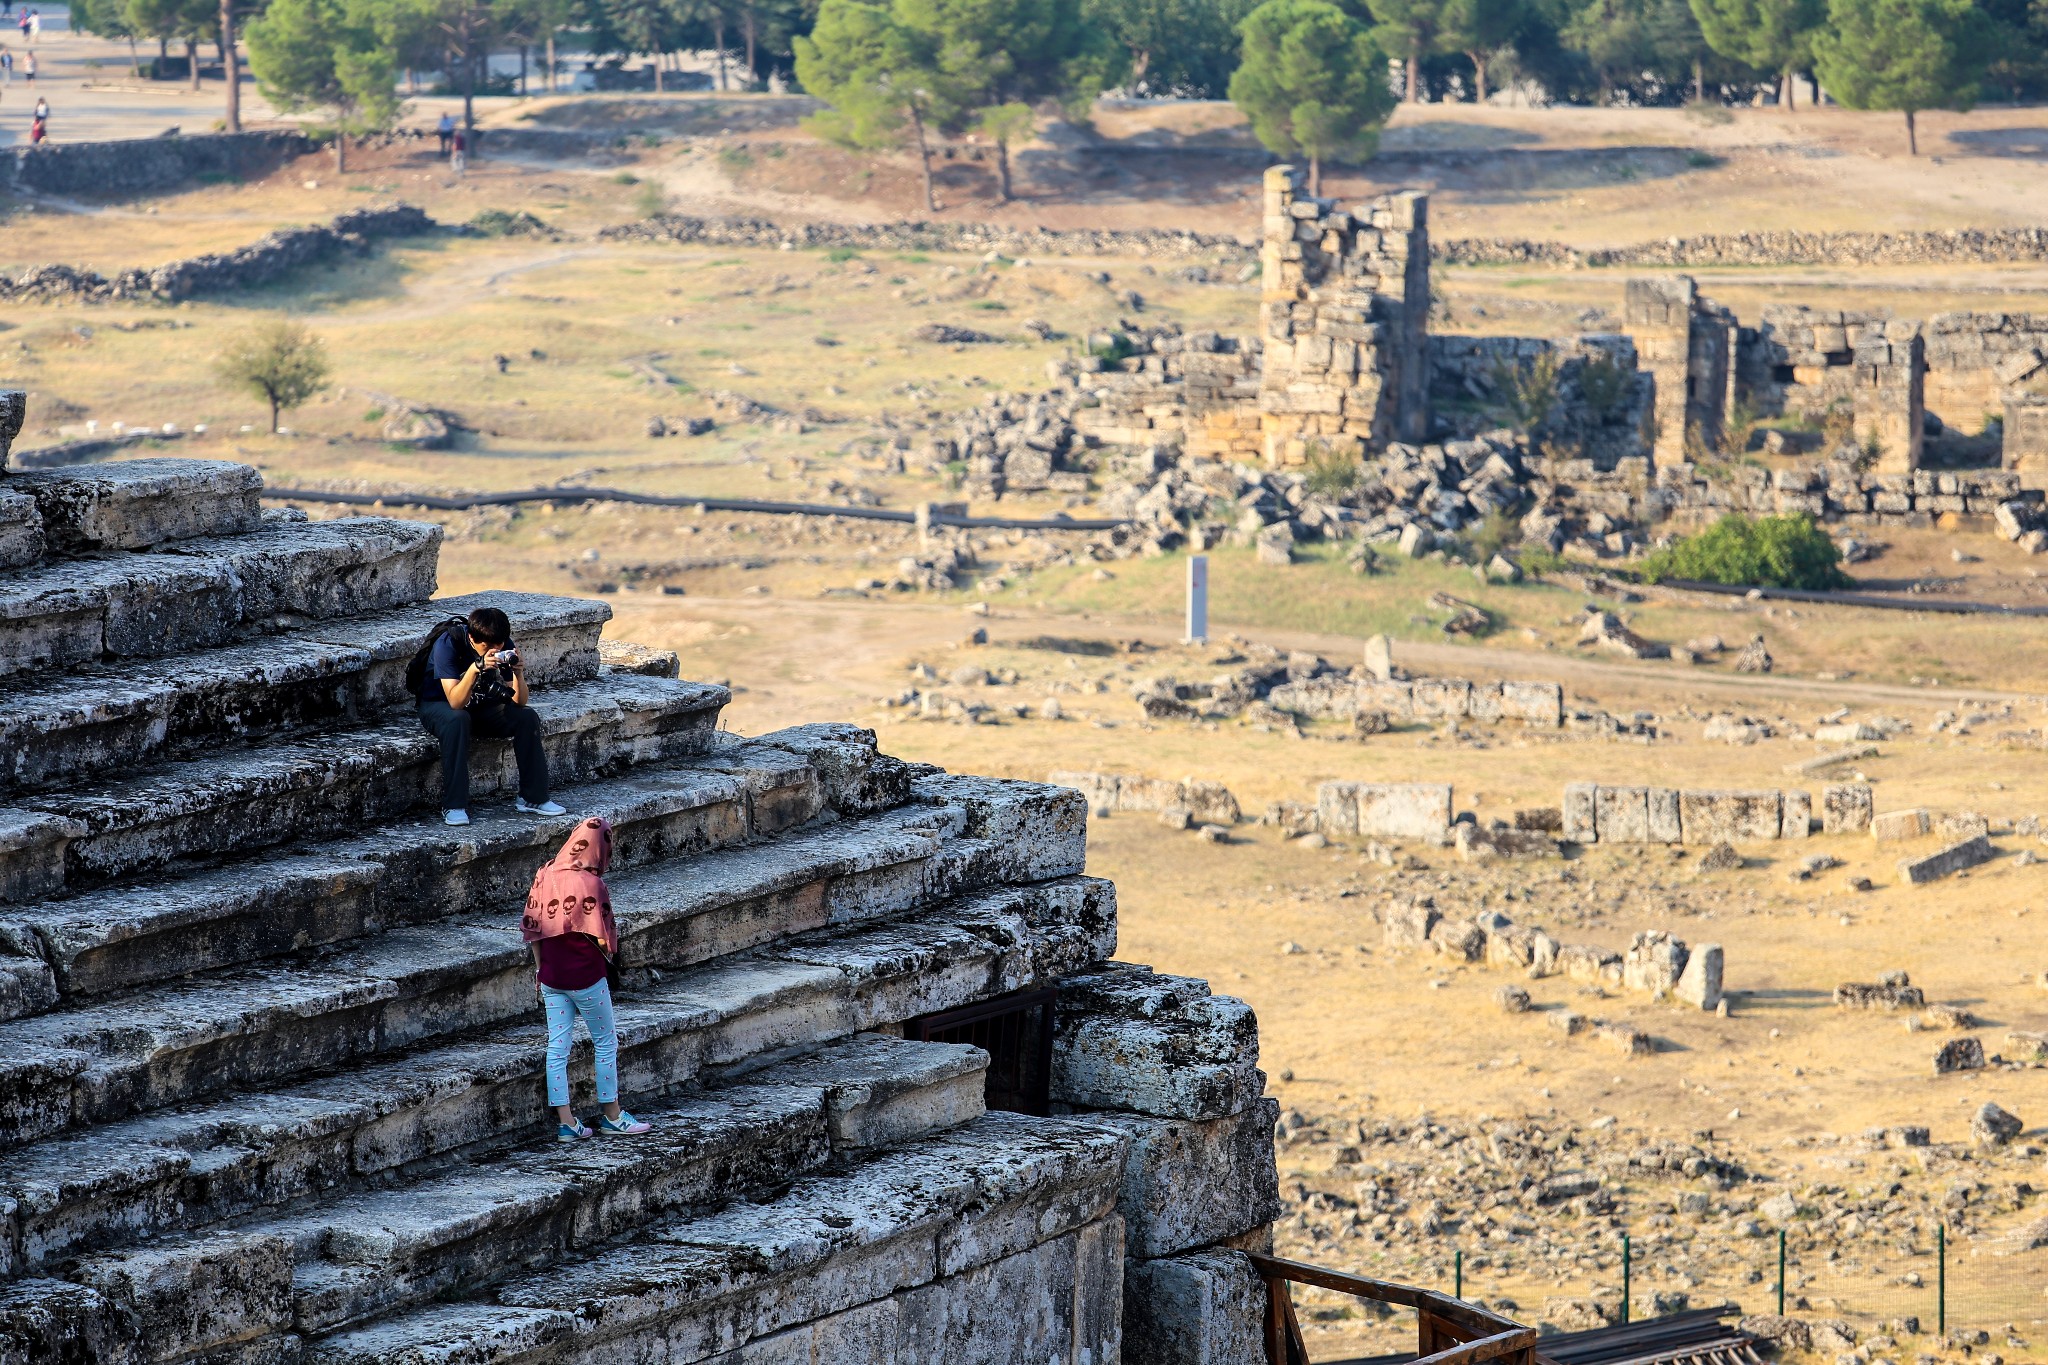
column 504, row 720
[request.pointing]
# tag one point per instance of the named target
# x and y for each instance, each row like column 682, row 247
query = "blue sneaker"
column 564, row 1133
column 625, row 1125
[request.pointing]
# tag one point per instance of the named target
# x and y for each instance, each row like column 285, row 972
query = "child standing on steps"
column 569, row 929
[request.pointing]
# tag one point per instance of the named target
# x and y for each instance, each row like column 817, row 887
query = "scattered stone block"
column 1580, row 824
column 1213, row 834
column 1567, row 1022
column 1722, row 858
column 1954, row 858
column 1796, row 818
column 1894, row 825
column 1846, row 808
column 1891, row 994
column 1699, row 985
column 1654, row 962
column 1461, row 940
column 1948, row 1017
column 1625, row 1038
column 1402, row 810
column 1176, row 817
column 1666, row 825
column 1410, row 925
column 1512, row 999
column 1959, row 1054
column 1621, row 815
column 1475, row 844
column 1730, row 817
column 1820, row 763
column 1379, row 658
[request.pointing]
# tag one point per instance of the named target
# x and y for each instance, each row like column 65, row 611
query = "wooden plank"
column 1517, row 1346
column 1382, row 1291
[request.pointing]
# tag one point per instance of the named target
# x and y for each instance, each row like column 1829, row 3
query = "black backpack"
column 416, row 671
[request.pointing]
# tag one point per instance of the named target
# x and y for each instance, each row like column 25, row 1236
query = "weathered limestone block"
column 185, row 1298
column 1337, row 808
column 1397, row 699
column 1210, row 803
column 134, row 504
column 1846, row 808
column 1410, row 925
column 1404, row 810
column 1732, row 817
column 628, row 657
column 1128, row 1038
column 1099, row 789
column 1699, row 985
column 859, row 779
column 21, row 531
column 1621, row 815
column 1581, row 823
column 1201, row 1308
column 1654, row 962
column 1588, row 965
column 1666, row 826
column 1188, row 1183
column 53, row 1320
column 1478, row 844
column 27, row 985
column 1533, row 703
column 1797, row 820
column 1893, row 825
column 1441, row 698
column 1957, row 856
column 1461, row 940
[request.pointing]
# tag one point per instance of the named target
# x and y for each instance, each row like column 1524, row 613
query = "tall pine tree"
column 1313, row 83
column 1906, row 55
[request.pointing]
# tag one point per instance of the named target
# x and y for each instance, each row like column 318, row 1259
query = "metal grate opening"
column 1016, row 1032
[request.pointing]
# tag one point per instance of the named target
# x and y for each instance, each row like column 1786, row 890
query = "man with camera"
column 470, row 680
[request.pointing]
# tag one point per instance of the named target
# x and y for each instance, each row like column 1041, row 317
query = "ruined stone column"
column 1687, row 345
column 1890, row 399
column 1344, row 312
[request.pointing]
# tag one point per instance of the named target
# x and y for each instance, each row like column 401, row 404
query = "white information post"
column 1198, row 599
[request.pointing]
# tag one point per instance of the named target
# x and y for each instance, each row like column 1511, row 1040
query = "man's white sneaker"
column 455, row 817
column 524, row 807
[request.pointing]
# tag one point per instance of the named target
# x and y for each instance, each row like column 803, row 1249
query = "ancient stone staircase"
column 270, row 1061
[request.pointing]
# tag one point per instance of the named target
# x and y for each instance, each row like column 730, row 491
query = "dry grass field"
column 596, row 339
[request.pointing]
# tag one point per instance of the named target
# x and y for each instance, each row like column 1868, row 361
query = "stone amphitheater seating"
column 270, row 1062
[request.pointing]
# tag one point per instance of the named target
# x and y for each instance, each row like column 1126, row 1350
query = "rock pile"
column 924, row 236
column 1977, row 245
column 275, row 256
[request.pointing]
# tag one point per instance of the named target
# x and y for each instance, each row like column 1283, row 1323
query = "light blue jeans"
column 594, row 1003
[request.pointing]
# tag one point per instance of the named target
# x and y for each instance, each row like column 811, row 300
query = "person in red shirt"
column 569, row 930
column 37, row 132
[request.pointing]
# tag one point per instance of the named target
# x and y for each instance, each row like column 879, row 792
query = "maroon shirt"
column 570, row 962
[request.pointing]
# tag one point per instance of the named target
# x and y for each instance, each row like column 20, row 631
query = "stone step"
column 199, row 1164
column 414, row 871
column 471, row 1223
column 124, row 505
column 993, row 1243
column 253, row 1026
column 102, row 717
column 322, row 785
column 196, row 594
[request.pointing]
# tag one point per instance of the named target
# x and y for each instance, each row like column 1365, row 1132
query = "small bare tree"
column 278, row 361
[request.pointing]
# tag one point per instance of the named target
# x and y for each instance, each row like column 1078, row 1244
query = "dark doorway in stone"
column 1015, row 1031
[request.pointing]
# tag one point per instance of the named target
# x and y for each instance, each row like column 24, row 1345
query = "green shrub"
column 1605, row 384
column 1332, row 471
column 1770, row 552
column 1526, row 396
column 840, row 255
column 1495, row 533
column 1540, row 561
column 625, row 178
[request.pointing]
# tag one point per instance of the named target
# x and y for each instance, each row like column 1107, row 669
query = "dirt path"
column 857, row 632
column 430, row 291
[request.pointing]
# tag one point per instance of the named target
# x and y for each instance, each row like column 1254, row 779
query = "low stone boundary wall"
column 1423, row 699
column 968, row 237
column 1207, row 803
column 139, row 165
column 1994, row 246
column 262, row 262
column 1594, row 813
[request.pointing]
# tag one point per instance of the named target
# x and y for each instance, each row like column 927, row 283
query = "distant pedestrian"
column 35, row 25
column 445, row 129
column 459, row 158
column 36, row 131
column 28, row 69
column 22, row 24
column 42, row 109
column 6, row 66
